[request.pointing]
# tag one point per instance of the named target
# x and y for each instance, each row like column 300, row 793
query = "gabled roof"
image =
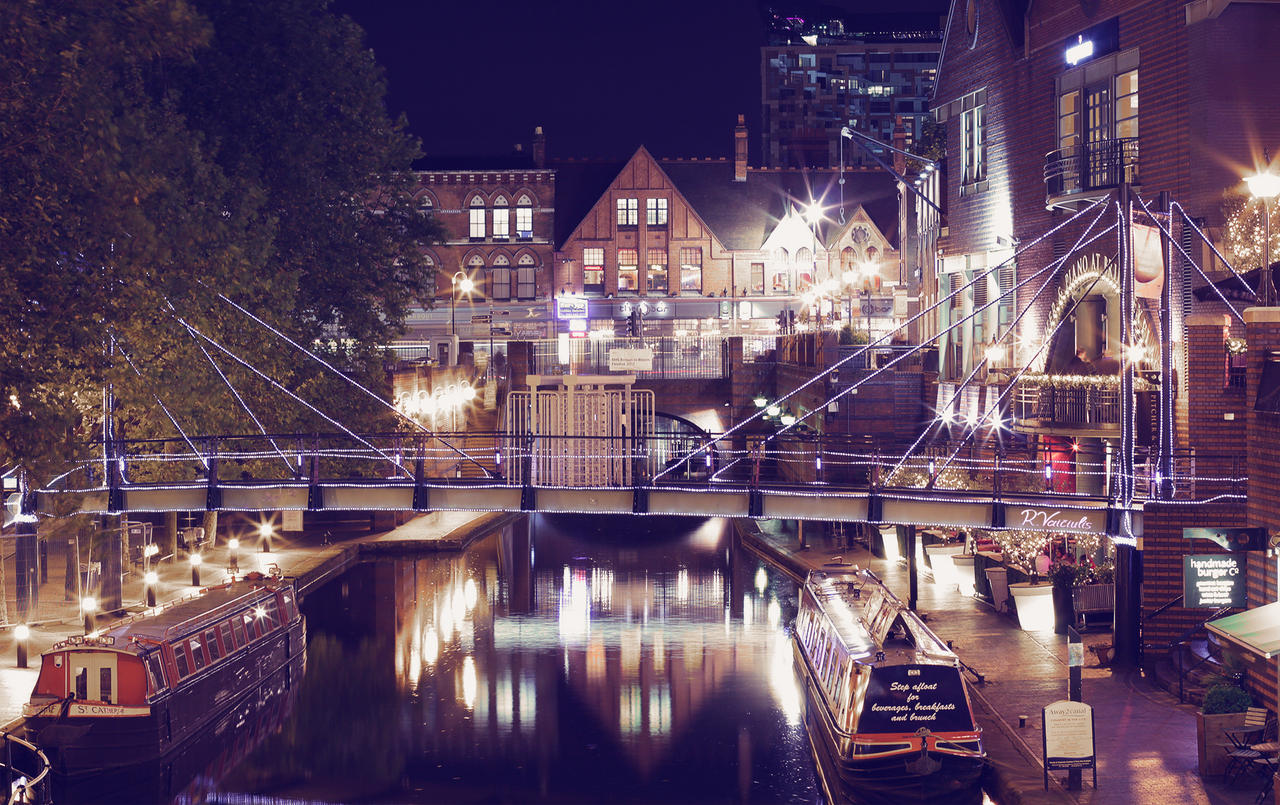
column 742, row 214
column 579, row 185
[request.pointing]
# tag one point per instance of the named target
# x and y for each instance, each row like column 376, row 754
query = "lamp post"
column 22, row 633
column 196, row 561
column 88, row 605
column 1266, row 186
column 265, row 531
column 233, row 555
column 150, row 579
column 463, row 283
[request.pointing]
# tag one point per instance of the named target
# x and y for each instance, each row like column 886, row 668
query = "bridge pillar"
column 1128, row 601
column 913, row 589
column 28, row 573
column 111, row 597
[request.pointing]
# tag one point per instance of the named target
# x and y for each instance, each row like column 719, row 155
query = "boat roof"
column 179, row 617
column 869, row 618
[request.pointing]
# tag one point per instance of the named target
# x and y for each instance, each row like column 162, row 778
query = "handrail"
column 21, row 794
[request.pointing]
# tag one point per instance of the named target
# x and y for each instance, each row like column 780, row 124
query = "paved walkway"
column 1146, row 740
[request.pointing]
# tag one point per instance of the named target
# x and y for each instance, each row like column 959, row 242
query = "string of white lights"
column 888, row 336
column 1189, row 221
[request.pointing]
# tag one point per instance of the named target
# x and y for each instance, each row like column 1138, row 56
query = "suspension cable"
column 160, row 402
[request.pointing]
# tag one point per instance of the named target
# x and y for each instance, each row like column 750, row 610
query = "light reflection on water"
column 618, row 665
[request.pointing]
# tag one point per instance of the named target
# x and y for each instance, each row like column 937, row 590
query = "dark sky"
column 600, row 76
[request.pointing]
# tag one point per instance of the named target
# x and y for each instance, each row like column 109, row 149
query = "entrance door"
column 93, row 676
column 1099, row 136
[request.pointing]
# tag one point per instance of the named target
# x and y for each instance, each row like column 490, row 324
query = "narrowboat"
column 886, row 706
column 140, row 687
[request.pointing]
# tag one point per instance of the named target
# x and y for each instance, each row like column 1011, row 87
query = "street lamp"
column 88, row 605
column 196, row 561
column 466, row 286
column 1266, row 186
column 151, row 579
column 265, row 530
column 233, row 555
column 22, row 633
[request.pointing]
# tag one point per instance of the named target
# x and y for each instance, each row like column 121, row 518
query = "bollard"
column 21, row 634
column 88, row 605
column 195, row 569
column 151, row 578
column 1022, row 722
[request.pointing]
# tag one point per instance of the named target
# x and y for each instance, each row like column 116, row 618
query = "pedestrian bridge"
column 806, row 476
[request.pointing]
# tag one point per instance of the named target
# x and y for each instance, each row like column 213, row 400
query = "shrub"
column 1224, row 698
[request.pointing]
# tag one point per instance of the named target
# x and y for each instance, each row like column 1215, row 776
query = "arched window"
column 526, row 276
column 871, row 269
column 524, row 217
column 426, row 203
column 501, row 219
column 500, row 278
column 476, row 230
column 849, row 264
column 779, row 269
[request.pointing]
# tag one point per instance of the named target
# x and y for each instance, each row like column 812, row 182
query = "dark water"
column 573, row 659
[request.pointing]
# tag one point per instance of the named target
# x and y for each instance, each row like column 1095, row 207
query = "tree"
column 154, row 154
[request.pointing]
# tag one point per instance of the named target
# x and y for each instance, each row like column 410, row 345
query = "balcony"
column 1085, row 172
column 1086, row 406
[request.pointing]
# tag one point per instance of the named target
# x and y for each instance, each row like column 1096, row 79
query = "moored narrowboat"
column 887, row 708
column 142, row 686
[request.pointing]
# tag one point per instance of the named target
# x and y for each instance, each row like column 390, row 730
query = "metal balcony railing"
column 1099, row 165
column 1067, row 406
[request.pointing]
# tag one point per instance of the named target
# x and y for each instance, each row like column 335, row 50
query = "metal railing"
column 26, row 772
column 1098, row 165
column 687, row 357
column 1067, row 405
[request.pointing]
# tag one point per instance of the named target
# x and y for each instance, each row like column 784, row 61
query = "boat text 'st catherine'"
column 886, row 706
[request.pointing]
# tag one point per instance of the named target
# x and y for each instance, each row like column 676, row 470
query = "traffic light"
column 633, row 324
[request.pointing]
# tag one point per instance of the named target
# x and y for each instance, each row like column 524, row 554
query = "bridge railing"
column 793, row 458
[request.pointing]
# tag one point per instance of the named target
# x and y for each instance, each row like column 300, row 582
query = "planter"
column 998, row 581
column 940, row 560
column 1064, row 613
column 1212, row 744
column 963, row 564
column 981, row 561
column 1035, row 605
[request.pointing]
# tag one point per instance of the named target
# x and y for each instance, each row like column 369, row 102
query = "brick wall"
column 1216, row 422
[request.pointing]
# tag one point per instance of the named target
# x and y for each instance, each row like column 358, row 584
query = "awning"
column 1257, row 630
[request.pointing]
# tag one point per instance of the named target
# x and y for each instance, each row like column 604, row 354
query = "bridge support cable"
column 234, row 393
column 163, row 407
column 1189, row 221
column 1165, row 231
column 195, row 332
column 423, row 428
column 887, row 337
column 1082, row 242
column 1048, row 269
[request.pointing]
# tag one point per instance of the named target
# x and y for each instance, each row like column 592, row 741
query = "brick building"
column 1040, row 103
column 874, row 72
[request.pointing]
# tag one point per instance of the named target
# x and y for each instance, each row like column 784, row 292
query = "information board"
column 1213, row 581
column 631, row 360
column 1068, row 738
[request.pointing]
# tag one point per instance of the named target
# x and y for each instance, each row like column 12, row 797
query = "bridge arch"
column 1090, row 297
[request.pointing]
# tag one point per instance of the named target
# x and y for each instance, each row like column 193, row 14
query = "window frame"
column 629, row 268
column 501, row 220
column 524, row 222
column 973, row 146
column 628, row 208
column 593, row 267
column 690, row 268
column 657, row 271
column 655, row 212
column 476, row 220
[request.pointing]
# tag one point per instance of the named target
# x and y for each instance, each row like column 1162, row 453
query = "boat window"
column 290, row 608
column 228, row 643
column 237, row 627
column 273, row 614
column 156, row 670
column 104, row 685
column 197, row 653
column 82, row 683
column 180, row 657
column 250, row 627
column 211, row 642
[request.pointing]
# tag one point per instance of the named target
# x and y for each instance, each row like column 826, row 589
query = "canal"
column 563, row 659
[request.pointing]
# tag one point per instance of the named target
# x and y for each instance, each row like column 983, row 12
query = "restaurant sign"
column 1213, row 581
column 1048, row 518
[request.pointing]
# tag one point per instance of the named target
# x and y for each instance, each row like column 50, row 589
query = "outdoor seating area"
column 1252, row 750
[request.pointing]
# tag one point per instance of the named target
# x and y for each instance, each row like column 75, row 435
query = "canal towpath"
column 1145, row 740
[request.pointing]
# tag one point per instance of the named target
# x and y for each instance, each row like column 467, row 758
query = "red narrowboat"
column 142, row 686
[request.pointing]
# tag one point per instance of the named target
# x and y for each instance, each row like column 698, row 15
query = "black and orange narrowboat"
column 140, row 687
column 886, row 706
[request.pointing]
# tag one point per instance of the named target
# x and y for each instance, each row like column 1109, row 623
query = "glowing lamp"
column 266, row 530
column 773, row 410
column 22, row 631
column 787, row 420
column 151, row 577
column 233, row 544
column 1263, row 185
column 760, row 401
column 196, row 560
column 88, row 604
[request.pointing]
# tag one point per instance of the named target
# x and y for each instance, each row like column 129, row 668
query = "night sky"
column 475, row 76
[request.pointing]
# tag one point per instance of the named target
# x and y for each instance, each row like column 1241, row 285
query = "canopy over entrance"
column 1257, row 630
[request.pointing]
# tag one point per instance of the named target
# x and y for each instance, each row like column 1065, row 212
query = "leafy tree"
column 154, row 154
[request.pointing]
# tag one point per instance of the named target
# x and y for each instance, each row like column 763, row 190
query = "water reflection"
column 565, row 658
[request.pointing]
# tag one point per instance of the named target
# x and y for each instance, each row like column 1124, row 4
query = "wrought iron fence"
column 1091, row 166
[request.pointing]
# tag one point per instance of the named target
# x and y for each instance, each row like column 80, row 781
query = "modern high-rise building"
column 873, row 72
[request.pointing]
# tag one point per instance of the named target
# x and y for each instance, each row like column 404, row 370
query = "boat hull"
column 79, row 744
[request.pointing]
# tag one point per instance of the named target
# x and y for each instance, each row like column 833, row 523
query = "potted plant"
column 1223, row 709
column 1065, row 576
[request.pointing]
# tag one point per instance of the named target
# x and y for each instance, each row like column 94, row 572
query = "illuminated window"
column 500, row 278
column 197, row 653
column 655, row 213
column 593, row 270
column 524, row 218
column 657, row 271
column 476, row 230
column 691, row 269
column 757, row 278
column 628, row 270
column 628, row 211
column 973, row 147
column 526, row 277
column 501, row 219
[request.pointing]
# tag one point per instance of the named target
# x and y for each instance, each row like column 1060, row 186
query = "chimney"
column 740, row 150
column 899, row 142
column 539, row 148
